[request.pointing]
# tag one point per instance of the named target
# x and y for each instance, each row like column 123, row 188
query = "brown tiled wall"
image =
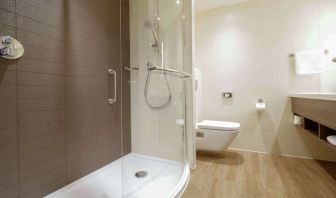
column 55, row 123
column 8, row 110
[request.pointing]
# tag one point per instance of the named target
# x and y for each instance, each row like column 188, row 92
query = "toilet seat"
column 218, row 125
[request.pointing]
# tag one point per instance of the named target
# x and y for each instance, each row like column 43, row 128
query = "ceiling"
column 202, row 5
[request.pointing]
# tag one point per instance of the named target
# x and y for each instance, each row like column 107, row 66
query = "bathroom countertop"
column 317, row 96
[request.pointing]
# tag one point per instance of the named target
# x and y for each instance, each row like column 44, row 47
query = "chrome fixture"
column 325, row 52
column 171, row 71
column 151, row 27
column 113, row 98
column 160, row 69
column 227, row 95
column 131, row 68
column 158, row 47
column 149, row 66
column 334, row 60
column 10, row 48
column 199, row 134
column 141, row 174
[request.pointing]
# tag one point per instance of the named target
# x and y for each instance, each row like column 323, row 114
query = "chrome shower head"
column 150, row 26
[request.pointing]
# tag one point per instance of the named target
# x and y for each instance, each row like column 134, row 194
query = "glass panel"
column 56, row 125
column 156, row 162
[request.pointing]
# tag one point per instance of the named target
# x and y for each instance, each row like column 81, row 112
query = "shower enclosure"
column 95, row 107
column 157, row 82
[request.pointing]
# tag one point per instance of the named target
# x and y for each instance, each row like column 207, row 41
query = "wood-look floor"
column 247, row 174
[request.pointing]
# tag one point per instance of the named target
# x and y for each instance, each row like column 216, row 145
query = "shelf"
column 319, row 115
column 324, row 132
column 318, row 131
column 311, row 126
column 320, row 111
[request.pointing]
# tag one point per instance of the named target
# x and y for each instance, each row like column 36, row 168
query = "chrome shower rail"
column 131, row 68
column 170, row 71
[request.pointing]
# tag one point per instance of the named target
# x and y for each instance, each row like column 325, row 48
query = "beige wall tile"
column 244, row 49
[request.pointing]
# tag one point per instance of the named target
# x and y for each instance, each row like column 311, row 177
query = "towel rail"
column 325, row 52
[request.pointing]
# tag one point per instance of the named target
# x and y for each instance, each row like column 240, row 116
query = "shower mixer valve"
column 6, row 40
column 10, row 48
column 150, row 65
column 153, row 45
column 5, row 51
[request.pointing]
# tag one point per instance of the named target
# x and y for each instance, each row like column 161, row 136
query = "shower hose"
column 167, row 102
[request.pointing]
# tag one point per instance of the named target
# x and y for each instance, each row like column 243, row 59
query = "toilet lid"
column 218, row 125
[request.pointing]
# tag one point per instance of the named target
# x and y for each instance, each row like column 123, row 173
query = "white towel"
column 310, row 62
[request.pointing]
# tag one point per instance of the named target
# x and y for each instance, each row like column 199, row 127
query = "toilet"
column 215, row 135
column 211, row 135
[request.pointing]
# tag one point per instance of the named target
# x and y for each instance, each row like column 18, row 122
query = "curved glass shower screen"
column 156, row 165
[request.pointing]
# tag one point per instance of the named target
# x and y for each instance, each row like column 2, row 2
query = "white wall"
column 244, row 48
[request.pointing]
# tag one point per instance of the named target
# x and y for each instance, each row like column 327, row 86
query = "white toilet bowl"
column 215, row 135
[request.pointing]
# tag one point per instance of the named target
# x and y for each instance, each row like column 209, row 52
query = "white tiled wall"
column 244, row 48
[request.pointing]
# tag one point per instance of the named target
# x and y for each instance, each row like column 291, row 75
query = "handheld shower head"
column 150, row 26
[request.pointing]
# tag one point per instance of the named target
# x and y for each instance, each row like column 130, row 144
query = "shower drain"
column 141, row 174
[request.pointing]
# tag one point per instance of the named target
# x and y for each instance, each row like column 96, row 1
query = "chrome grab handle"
column 171, row 71
column 113, row 73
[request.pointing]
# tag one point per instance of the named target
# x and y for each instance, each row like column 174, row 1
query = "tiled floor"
column 247, row 174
